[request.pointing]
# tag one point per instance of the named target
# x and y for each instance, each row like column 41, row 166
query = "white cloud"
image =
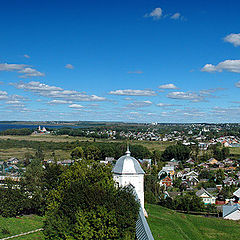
column 11, row 67
column 165, row 105
column 13, row 102
column 132, row 92
column 76, row 106
column 138, row 104
column 21, row 68
column 69, row 66
column 228, row 65
column 56, row 92
column 155, row 14
column 3, row 95
column 135, row 72
column 168, row 86
column 237, row 84
column 30, row 72
column 175, row 16
column 191, row 96
column 56, row 101
column 26, row 56
column 233, row 38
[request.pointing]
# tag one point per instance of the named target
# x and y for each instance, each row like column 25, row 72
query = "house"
column 168, row 170
column 190, row 175
column 190, row 161
column 13, row 160
column 236, row 195
column 192, row 181
column 229, row 181
column 206, row 196
column 231, row 211
column 167, row 182
column 212, row 161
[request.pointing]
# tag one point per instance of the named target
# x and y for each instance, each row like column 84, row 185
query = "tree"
column 179, row 152
column 77, row 153
column 33, row 186
column 12, row 200
column 39, row 154
column 87, row 205
column 92, row 152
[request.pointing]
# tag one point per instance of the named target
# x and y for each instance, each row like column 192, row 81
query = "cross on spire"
column 128, row 153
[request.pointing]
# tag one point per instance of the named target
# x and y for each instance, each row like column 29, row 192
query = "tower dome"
column 127, row 165
column 127, row 170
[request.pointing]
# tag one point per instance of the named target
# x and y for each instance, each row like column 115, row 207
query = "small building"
column 231, row 211
column 206, row 196
column 167, row 182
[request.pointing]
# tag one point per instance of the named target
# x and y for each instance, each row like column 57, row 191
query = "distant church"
column 127, row 171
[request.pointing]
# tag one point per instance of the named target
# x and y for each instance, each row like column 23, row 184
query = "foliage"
column 187, row 202
column 20, row 132
column 152, row 189
column 86, row 205
column 77, row 152
column 12, row 200
column 179, row 152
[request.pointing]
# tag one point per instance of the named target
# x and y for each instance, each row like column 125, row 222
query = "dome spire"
column 128, row 153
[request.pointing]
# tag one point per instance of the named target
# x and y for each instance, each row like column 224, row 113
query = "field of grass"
column 20, row 153
column 168, row 224
column 235, row 151
column 20, row 225
column 61, row 154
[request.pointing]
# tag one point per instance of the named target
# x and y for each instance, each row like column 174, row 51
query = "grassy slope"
column 168, row 224
column 21, row 225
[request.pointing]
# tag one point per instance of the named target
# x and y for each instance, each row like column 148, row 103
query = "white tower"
column 128, row 171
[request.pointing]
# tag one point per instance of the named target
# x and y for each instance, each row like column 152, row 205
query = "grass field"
column 168, row 224
column 61, row 154
column 235, row 151
column 20, row 225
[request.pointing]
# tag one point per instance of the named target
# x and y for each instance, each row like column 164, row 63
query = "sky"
column 131, row 61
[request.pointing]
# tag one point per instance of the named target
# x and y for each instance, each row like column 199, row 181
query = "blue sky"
column 133, row 61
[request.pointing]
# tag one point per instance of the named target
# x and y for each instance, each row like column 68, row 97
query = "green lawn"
column 20, row 225
column 168, row 224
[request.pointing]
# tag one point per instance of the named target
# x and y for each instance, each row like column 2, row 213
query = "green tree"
column 92, row 153
column 87, row 205
column 179, row 152
column 77, row 153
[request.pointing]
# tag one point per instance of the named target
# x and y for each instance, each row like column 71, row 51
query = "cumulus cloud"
column 138, row 104
column 56, row 101
column 227, row 65
column 233, row 38
column 11, row 67
column 69, row 66
column 3, row 95
column 21, row 68
column 237, row 84
column 175, row 16
column 132, row 92
column 168, row 86
column 76, row 106
column 191, row 96
column 135, row 72
column 30, row 72
column 155, row 14
column 165, row 105
column 56, row 92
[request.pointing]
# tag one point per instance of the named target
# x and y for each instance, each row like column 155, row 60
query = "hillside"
column 19, row 225
column 168, row 224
